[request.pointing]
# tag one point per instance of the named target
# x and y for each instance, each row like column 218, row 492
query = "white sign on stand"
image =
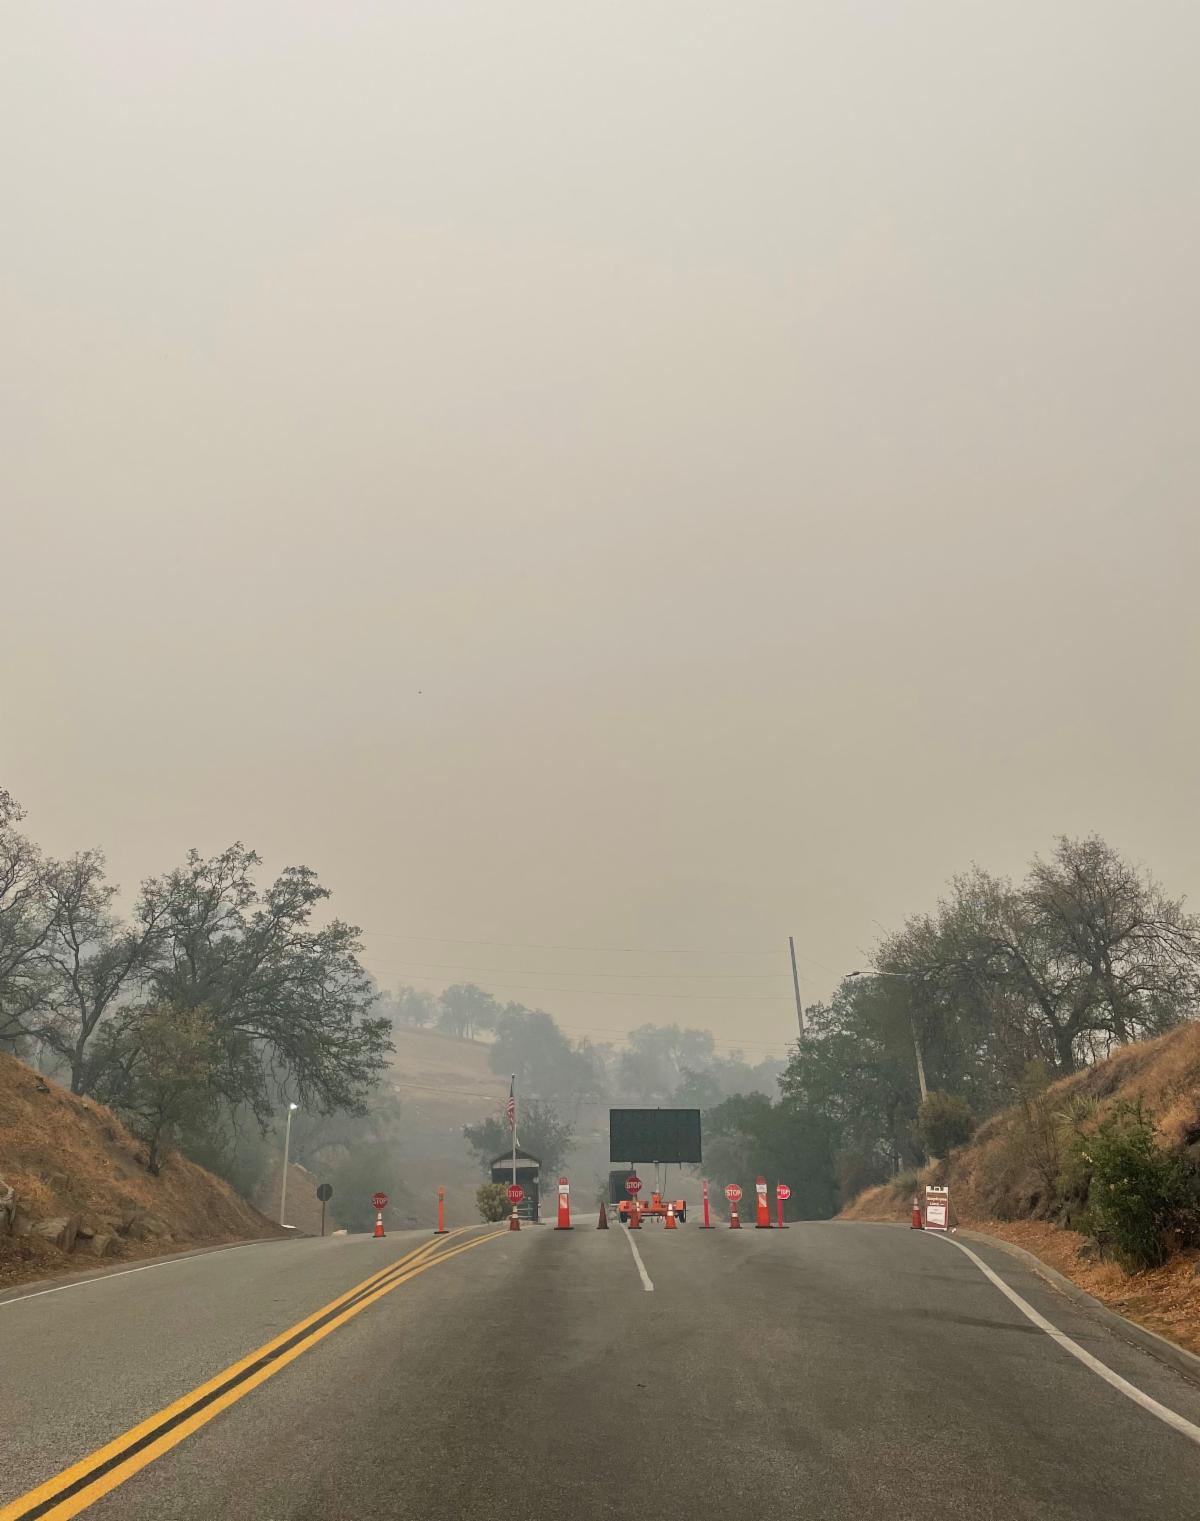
column 937, row 1208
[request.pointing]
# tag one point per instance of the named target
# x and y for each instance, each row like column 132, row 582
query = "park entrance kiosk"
column 529, row 1172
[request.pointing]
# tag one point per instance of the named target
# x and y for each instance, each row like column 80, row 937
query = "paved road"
column 833, row 1370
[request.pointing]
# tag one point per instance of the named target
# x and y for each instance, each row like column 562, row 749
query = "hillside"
column 74, row 1192
column 1000, row 1182
column 443, row 1084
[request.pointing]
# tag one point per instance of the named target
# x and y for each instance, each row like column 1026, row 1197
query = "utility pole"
column 796, row 985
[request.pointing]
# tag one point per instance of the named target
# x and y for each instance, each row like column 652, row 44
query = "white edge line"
column 1102, row 1370
column 87, row 1283
column 637, row 1257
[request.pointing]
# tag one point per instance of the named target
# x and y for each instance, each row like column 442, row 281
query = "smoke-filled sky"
column 603, row 481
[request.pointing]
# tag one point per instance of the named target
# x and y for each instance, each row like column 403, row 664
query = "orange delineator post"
column 379, row 1230
column 441, row 1225
column 762, row 1210
column 564, row 1206
column 708, row 1225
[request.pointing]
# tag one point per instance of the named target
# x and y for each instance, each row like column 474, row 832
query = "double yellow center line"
column 81, row 1485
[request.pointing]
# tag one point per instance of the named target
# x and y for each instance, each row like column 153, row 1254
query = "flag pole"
column 512, row 1088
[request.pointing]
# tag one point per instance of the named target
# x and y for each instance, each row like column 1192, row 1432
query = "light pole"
column 287, row 1141
column 908, row 976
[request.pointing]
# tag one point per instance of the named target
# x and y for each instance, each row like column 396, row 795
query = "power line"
column 634, row 950
column 516, row 987
column 512, row 971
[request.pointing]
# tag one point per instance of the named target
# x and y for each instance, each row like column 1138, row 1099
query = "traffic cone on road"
column 379, row 1231
column 514, row 1223
column 602, row 1223
column 441, row 1225
column 671, row 1224
column 734, row 1223
column 916, row 1215
column 635, row 1218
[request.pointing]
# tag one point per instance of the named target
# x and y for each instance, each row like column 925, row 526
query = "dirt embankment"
column 998, row 1183
column 74, row 1192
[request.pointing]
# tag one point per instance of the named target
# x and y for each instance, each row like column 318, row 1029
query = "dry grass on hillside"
column 996, row 1186
column 69, row 1156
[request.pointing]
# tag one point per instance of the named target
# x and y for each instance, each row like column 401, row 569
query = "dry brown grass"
column 66, row 1155
column 997, row 1187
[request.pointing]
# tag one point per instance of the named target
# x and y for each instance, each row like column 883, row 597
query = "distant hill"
column 443, row 1084
column 74, row 1192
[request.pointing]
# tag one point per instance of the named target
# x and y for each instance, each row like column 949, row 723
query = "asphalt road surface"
column 832, row 1370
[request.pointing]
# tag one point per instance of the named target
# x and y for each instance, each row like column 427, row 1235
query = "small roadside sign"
column 515, row 1193
column 937, row 1208
column 633, row 1184
column 733, row 1192
column 379, row 1201
column 782, row 1191
column 324, row 1191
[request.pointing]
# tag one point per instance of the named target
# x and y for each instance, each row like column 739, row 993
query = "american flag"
column 510, row 1109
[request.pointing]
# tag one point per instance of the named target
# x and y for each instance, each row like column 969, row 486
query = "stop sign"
column 515, row 1193
column 379, row 1201
column 633, row 1184
column 782, row 1191
column 733, row 1192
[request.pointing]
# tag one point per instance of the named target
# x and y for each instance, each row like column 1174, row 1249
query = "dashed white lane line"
column 637, row 1257
column 1101, row 1370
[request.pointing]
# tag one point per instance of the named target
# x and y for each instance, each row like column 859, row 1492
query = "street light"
column 908, row 976
column 287, row 1141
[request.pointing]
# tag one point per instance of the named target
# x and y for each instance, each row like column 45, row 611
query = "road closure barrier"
column 762, row 1210
column 564, row 1206
column 708, row 1225
column 379, row 1230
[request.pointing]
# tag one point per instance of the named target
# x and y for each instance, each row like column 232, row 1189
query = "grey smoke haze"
column 636, row 476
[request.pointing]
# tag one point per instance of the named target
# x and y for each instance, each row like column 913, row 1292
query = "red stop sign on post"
column 515, row 1193
column 733, row 1192
column 379, row 1201
column 782, row 1191
column 633, row 1184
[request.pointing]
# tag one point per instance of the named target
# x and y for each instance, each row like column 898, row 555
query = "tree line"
column 1002, row 986
column 211, row 1003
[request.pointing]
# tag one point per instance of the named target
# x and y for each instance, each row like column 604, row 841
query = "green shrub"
column 944, row 1122
column 1138, row 1201
column 492, row 1199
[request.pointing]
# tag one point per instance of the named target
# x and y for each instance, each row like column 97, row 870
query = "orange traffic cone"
column 635, row 1218
column 734, row 1223
column 441, row 1225
column 514, row 1223
column 916, row 1215
column 379, row 1231
column 602, row 1223
column 670, row 1221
